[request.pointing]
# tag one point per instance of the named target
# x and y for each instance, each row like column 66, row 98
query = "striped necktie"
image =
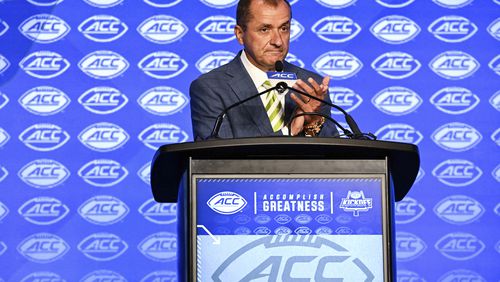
column 274, row 108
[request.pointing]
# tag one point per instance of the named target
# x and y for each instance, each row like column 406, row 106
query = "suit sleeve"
column 329, row 129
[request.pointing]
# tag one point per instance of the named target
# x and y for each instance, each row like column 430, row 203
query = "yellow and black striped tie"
column 274, row 108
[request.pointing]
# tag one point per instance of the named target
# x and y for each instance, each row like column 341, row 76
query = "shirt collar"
column 258, row 76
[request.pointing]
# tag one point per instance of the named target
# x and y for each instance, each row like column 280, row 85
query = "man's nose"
column 276, row 38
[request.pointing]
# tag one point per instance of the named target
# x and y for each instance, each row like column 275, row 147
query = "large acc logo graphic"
column 43, row 210
column 395, row 29
column 457, row 172
column 459, row 246
column 452, row 29
column 103, row 64
column 43, row 247
column 44, row 28
column 103, row 28
column 162, row 29
column 345, row 98
column 103, row 137
column 103, row 173
column 44, row 64
column 162, row 133
column 102, row 246
column 103, row 100
column 336, row 29
column 218, row 29
column 455, row 100
column 337, row 64
column 276, row 250
column 396, row 65
column 227, row 202
column 44, row 100
column 161, row 246
column 397, row 101
column 44, row 137
column 456, row 137
column 159, row 213
column 459, row 209
column 162, row 65
column 44, row 173
column 214, row 60
column 454, row 65
column 399, row 132
column 103, row 210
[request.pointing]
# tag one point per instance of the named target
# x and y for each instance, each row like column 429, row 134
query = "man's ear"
column 238, row 31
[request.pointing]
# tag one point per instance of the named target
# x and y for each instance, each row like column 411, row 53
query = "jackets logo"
column 409, row 246
column 45, row 2
column 103, row 3
column 103, row 64
column 103, row 210
column 219, row 4
column 395, row 3
column 493, row 29
column 345, row 98
column 102, row 246
column 456, row 137
column 397, row 101
column 162, row 3
column 44, row 137
column 336, row 4
column 459, row 246
column 102, row 28
column 4, row 64
column 457, row 173
column 399, row 132
column 163, row 65
column 3, row 100
column 452, row 4
column 44, row 28
column 162, row 133
column 337, row 64
column 159, row 213
column 44, row 173
column 3, row 211
column 103, row 100
column 4, row 137
column 43, row 247
column 3, row 173
column 495, row 64
column 455, row 100
column 461, row 275
column 103, row 275
column 459, row 209
column 217, row 29
column 408, row 210
column 44, row 64
column 227, row 203
column 144, row 173
column 162, row 29
column 3, row 27
column 395, row 29
column 336, row 29
column 166, row 276
column 43, row 210
column 452, row 29
column 103, row 173
column 396, row 65
column 103, row 137
column 43, row 276
column 161, row 246
column 454, row 65
column 214, row 60
column 44, row 100
column 296, row 30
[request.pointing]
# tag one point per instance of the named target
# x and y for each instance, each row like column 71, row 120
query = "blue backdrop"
column 90, row 88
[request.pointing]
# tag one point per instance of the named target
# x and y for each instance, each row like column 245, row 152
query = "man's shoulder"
column 219, row 73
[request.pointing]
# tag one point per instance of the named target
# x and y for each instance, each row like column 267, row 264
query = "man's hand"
column 306, row 104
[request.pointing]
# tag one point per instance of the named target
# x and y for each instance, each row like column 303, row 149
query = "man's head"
column 263, row 28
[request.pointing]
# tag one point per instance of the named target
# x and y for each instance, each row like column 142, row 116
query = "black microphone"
column 278, row 66
column 282, row 86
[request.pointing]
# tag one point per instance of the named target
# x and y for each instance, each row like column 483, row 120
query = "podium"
column 285, row 208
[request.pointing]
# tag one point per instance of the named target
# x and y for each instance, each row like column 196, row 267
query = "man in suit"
column 263, row 28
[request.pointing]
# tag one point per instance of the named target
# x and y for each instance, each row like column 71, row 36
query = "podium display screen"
column 284, row 228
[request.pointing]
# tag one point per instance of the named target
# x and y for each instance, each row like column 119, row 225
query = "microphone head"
column 278, row 66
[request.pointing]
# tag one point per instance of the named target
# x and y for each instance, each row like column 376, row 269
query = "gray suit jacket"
column 216, row 90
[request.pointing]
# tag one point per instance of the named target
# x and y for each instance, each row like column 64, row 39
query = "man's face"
column 267, row 34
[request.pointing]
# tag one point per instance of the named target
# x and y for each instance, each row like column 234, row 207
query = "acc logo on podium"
column 161, row 246
column 459, row 209
column 163, row 100
column 44, row 28
column 102, row 246
column 162, row 29
column 44, row 137
column 395, row 29
column 162, row 133
column 103, row 173
column 44, row 173
column 227, row 202
column 44, row 100
column 457, row 172
column 103, row 28
column 103, row 100
column 43, row 210
column 43, row 247
column 103, row 137
column 103, row 210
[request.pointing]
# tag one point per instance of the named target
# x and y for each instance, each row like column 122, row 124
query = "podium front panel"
column 250, row 221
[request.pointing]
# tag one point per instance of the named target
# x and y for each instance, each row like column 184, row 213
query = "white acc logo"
column 452, row 28
column 395, row 3
column 44, row 137
column 103, row 100
column 292, row 59
column 163, row 100
column 162, row 29
column 44, row 173
column 219, row 4
column 102, row 246
column 103, row 64
column 103, row 173
column 103, row 3
column 161, row 246
column 399, row 132
column 159, row 213
column 44, row 28
column 103, row 210
column 459, row 209
column 345, row 98
column 456, row 137
column 162, row 133
column 214, row 60
column 460, row 246
column 396, row 65
column 494, row 29
column 103, row 137
column 102, row 28
column 103, row 275
column 296, row 30
column 454, row 65
column 336, row 29
column 337, row 64
column 455, row 100
column 495, row 64
column 144, row 173
column 163, row 65
column 43, row 247
column 44, row 64
column 397, row 101
column 227, row 202
column 457, row 173
column 45, row 2
column 408, row 246
column 452, row 4
column 44, row 100
column 461, row 275
column 162, row 3
column 43, row 210
column 408, row 210
column 395, row 29
column 217, row 29
column 336, row 4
